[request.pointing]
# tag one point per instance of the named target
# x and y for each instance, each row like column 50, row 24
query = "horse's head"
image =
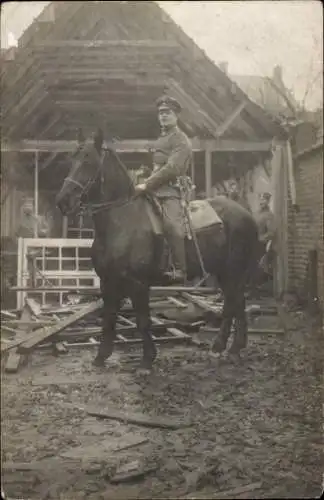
column 83, row 174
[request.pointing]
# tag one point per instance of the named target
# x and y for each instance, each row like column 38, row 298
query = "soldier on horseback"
column 172, row 157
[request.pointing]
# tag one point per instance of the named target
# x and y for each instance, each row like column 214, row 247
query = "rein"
column 102, row 207
column 96, row 208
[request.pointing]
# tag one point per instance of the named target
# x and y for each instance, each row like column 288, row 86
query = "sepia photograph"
column 162, row 251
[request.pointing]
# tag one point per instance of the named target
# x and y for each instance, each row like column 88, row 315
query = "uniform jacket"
column 266, row 225
column 172, row 156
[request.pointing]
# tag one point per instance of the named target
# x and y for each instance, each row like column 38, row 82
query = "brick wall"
column 305, row 232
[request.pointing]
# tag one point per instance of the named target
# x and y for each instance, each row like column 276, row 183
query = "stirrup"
column 173, row 275
column 203, row 279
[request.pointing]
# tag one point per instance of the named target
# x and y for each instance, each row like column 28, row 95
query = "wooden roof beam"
column 137, row 145
column 230, row 120
column 200, row 117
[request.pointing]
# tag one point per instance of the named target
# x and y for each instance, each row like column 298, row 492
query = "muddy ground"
column 256, row 424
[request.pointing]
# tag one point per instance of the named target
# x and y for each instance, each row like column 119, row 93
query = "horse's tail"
column 253, row 261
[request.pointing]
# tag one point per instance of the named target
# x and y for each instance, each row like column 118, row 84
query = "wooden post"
column 291, row 177
column 64, row 226
column 36, row 195
column 278, row 209
column 208, row 172
column 193, row 174
column 285, row 190
column 20, row 301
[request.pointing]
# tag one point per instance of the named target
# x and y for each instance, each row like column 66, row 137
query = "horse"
column 126, row 251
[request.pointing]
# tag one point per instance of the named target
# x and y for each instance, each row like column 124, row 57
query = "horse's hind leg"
column 112, row 301
column 241, row 326
column 140, row 299
column 220, row 342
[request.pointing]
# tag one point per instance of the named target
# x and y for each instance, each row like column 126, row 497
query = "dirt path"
column 258, row 422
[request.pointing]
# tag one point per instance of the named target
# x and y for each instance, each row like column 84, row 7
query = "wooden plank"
column 32, row 323
column 256, row 331
column 13, row 361
column 156, row 290
column 8, row 314
column 122, row 475
column 50, row 331
column 12, row 345
column 173, row 331
column 120, row 330
column 136, row 145
column 136, row 418
column 33, row 306
column 177, row 303
column 167, row 339
column 7, row 329
column 201, row 303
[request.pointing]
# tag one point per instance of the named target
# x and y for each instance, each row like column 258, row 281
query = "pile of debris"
column 179, row 314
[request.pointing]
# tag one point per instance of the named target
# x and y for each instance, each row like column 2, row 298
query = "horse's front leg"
column 112, row 301
column 220, row 342
column 140, row 299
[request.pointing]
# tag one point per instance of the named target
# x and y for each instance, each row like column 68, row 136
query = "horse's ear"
column 80, row 136
column 98, row 139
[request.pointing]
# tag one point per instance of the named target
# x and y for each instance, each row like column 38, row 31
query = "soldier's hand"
column 140, row 188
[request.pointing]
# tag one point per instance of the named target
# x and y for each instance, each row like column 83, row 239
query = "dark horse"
column 126, row 251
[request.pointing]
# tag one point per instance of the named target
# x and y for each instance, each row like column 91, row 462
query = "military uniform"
column 266, row 230
column 172, row 157
column 266, row 225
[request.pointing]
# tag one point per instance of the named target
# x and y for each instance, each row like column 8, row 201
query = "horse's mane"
column 113, row 154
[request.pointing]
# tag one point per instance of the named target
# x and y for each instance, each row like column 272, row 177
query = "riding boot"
column 178, row 252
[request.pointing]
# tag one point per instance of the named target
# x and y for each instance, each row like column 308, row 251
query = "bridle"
column 93, row 209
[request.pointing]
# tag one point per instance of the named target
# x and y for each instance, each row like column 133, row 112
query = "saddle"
column 202, row 215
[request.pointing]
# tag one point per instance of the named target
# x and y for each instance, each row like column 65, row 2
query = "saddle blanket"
column 201, row 213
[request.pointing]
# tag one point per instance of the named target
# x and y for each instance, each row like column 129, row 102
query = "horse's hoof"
column 99, row 362
column 234, row 358
column 143, row 372
column 215, row 355
column 217, row 347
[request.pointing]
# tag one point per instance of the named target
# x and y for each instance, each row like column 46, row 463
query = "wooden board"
column 123, row 475
column 13, row 362
column 256, row 331
column 48, row 332
column 173, row 331
column 15, row 358
column 201, row 303
column 136, row 418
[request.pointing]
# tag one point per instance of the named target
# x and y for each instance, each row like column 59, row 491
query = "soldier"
column 172, row 158
column 235, row 194
column 266, row 229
